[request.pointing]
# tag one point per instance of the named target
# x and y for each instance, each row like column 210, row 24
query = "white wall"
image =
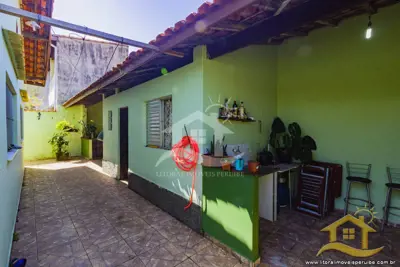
column 10, row 172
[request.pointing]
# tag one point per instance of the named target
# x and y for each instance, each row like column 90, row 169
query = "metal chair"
column 393, row 175
column 358, row 173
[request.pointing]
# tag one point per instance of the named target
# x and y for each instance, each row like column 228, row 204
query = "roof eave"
column 213, row 17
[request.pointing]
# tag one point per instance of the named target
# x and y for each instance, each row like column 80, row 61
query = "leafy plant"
column 280, row 140
column 66, row 127
column 88, row 129
column 59, row 144
column 291, row 145
column 302, row 146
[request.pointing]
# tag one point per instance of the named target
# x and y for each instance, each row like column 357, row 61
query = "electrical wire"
column 186, row 160
column 112, row 56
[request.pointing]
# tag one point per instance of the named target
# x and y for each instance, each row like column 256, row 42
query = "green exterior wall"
column 95, row 113
column 11, row 172
column 87, row 148
column 230, row 210
column 185, row 86
column 343, row 90
column 340, row 88
column 36, row 141
column 247, row 75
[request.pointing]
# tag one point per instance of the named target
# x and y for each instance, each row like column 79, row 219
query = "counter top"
column 265, row 170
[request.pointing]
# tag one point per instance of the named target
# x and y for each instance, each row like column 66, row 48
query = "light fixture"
column 368, row 32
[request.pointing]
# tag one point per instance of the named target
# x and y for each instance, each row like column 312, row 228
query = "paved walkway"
column 296, row 238
column 72, row 215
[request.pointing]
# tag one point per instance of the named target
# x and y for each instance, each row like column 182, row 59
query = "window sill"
column 160, row 148
column 12, row 154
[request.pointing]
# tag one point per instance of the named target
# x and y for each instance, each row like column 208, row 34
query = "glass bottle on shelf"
column 226, row 108
column 234, row 109
column 241, row 111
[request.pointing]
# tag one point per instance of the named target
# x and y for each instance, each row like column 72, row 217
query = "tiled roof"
column 162, row 38
column 36, row 43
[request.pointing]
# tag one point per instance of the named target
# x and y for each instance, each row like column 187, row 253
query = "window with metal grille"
column 159, row 123
column 10, row 116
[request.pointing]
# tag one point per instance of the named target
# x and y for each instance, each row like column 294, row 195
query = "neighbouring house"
column 307, row 62
column 74, row 64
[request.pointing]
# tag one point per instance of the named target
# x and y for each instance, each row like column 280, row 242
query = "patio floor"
column 296, row 238
column 72, row 215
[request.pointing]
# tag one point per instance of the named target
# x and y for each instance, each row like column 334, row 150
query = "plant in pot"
column 88, row 129
column 302, row 147
column 60, row 145
column 280, row 140
column 66, row 126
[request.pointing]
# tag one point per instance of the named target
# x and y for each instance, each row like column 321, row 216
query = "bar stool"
column 358, row 173
column 393, row 175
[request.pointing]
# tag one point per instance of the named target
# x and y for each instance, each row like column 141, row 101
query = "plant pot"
column 254, row 166
column 62, row 156
column 211, row 161
column 226, row 166
column 265, row 158
column 284, row 155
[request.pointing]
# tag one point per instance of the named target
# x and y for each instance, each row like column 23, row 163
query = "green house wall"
column 247, row 75
column 340, row 88
column 230, row 210
column 185, row 87
column 344, row 91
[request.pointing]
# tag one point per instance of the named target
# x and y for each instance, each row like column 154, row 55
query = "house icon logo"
column 349, row 234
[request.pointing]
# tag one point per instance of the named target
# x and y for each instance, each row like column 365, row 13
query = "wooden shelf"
column 234, row 119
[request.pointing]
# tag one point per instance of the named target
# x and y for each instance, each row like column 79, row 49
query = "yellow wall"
column 38, row 132
column 344, row 91
column 95, row 113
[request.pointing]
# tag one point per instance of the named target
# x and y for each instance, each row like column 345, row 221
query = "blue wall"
column 11, row 172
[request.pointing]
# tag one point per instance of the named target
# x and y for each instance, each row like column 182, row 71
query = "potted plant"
column 66, row 126
column 280, row 140
column 88, row 129
column 60, row 145
column 302, row 146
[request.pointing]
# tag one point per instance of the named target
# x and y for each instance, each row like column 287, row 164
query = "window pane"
column 10, row 126
column 154, row 123
column 167, row 127
column 10, row 117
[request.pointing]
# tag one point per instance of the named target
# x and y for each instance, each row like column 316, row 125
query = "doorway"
column 123, row 143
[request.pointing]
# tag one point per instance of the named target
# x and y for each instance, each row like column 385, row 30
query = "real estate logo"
column 350, row 234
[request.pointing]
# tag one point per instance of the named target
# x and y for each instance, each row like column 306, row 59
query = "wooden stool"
column 358, row 173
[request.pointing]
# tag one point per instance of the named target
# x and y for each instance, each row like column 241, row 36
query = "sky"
column 140, row 20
